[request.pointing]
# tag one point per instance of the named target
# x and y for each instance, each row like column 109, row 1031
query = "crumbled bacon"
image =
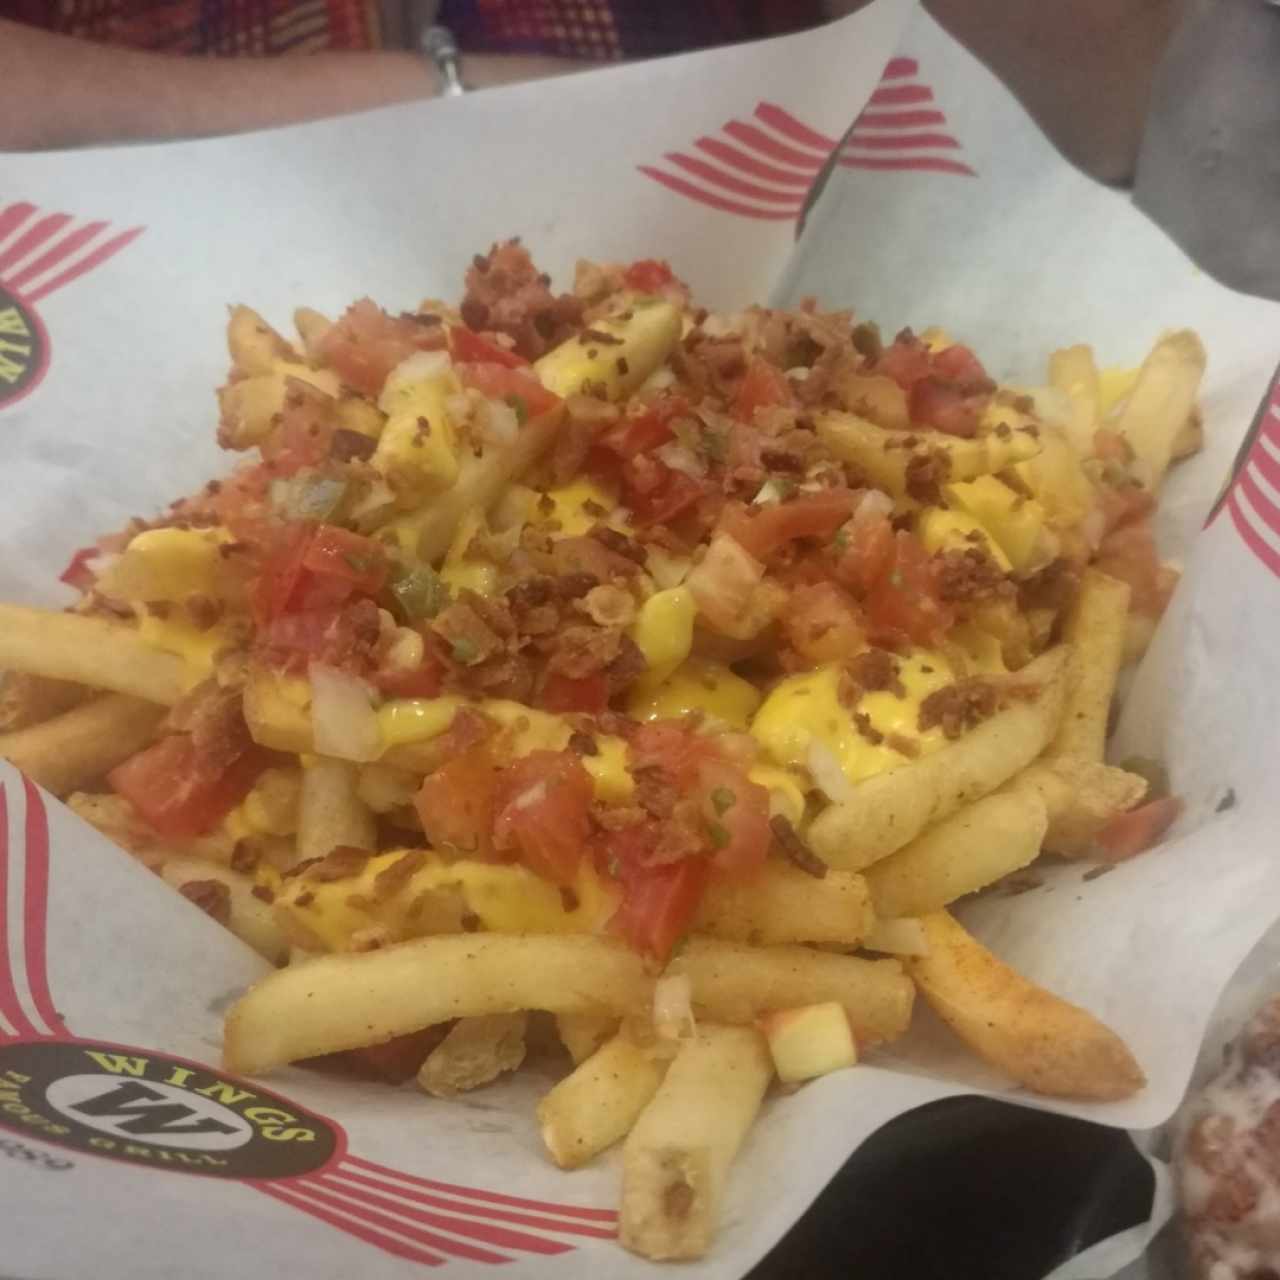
column 584, row 650
column 959, row 707
column 342, row 862
column 391, row 880
column 794, row 849
column 214, row 717
column 925, row 474
column 969, row 574
column 505, row 293
column 213, row 897
column 876, row 670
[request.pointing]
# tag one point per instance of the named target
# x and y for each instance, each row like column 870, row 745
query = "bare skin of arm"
column 89, row 93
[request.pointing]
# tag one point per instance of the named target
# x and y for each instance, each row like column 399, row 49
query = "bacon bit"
column 244, row 857
column 341, row 863
column 213, row 897
column 862, row 722
column 299, row 868
column 655, row 792
column 505, row 293
column 469, row 922
column 304, row 899
column 959, row 707
column 627, row 667
column 568, row 899
column 391, row 880
column 903, row 745
column 584, row 650
column 795, row 849
column 583, row 744
column 876, row 671
column 470, row 640
column 925, row 474
column 351, row 446
column 969, row 574
column 262, row 893
column 203, row 612
column 619, row 544
column 599, row 335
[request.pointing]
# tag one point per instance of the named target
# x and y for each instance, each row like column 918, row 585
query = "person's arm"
column 91, row 93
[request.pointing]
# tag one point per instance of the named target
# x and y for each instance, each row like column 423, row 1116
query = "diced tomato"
column 588, row 694
column 638, row 433
column 735, row 812
column 334, row 552
column 77, row 574
column 468, row 346
column 669, row 746
column 658, row 902
column 542, row 813
column 456, row 805
column 273, row 591
column 177, row 792
column 904, row 604
column 958, row 364
column 398, row 1060
column 763, row 386
column 1129, row 553
column 424, row 681
column 906, row 361
column 656, row 493
column 945, row 406
column 522, row 391
column 648, row 275
column 366, row 344
column 305, row 434
column 769, row 528
column 240, row 499
column 822, row 623
column 868, row 551
column 1124, row 506
column 337, row 635
column 1130, row 833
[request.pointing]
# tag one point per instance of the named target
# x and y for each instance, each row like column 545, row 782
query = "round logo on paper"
column 24, row 348
column 165, row 1113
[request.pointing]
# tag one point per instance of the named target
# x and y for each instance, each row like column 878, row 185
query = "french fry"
column 330, row 812
column 784, row 904
column 888, row 810
column 253, row 344
column 596, row 1104
column 734, row 983
column 885, row 456
column 1095, row 630
column 26, row 699
column 897, row 937
column 583, row 1033
column 1190, row 439
column 312, row 326
column 962, row 854
column 1074, row 371
column 88, row 650
column 74, row 748
column 1080, row 797
column 475, row 1052
column 348, row 1001
column 676, row 1160
column 1156, row 412
column 249, row 918
column 1042, row 1041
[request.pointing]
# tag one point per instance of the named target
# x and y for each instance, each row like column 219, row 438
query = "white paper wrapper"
column 946, row 207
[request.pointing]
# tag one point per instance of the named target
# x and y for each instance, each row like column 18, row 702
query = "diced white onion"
column 378, row 497
column 421, row 366
column 343, row 720
column 678, row 458
column 665, row 569
column 673, row 1007
column 768, row 494
column 458, row 407
column 827, row 773
column 659, row 380
column 502, row 423
column 872, row 505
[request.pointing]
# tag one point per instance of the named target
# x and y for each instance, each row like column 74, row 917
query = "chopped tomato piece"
column 867, row 552
column 521, row 390
column 957, row 363
column 366, row 344
column 588, row 694
column 1129, row 553
column 656, row 493
column 423, row 681
column 398, row 1060
column 1124, row 506
column 638, row 433
column 177, row 792
column 336, row 635
column 905, row 360
column 735, row 812
column 542, row 813
column 763, row 386
column 350, row 558
column 769, row 528
column 945, row 406
column 669, row 746
column 822, row 624
column 77, row 574
column 468, row 346
column 658, row 902
column 456, row 804
column 648, row 275
column 273, row 591
column 1130, row 833
column 239, row 499
column 305, row 434
column 1111, row 446
column 904, row 604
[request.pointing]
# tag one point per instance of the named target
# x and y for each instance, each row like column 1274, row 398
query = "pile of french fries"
column 788, row 973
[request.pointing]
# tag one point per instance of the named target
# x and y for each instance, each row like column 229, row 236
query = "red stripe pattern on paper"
column 42, row 252
column 1254, row 498
column 763, row 168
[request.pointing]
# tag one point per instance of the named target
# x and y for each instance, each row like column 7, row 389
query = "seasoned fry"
column 248, row 916
column 26, row 699
column 92, row 651
column 677, row 1157
column 475, row 1052
column 1080, row 797
column 347, row 1001
column 785, row 904
column 253, row 344
column 1073, row 371
column 1162, row 400
column 595, row 1105
column 330, row 812
column 900, row 937
column 966, row 852
column 583, row 1033
column 888, row 810
column 1095, row 628
column 74, row 748
column 733, row 983
column 311, row 325
column 1052, row 1047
